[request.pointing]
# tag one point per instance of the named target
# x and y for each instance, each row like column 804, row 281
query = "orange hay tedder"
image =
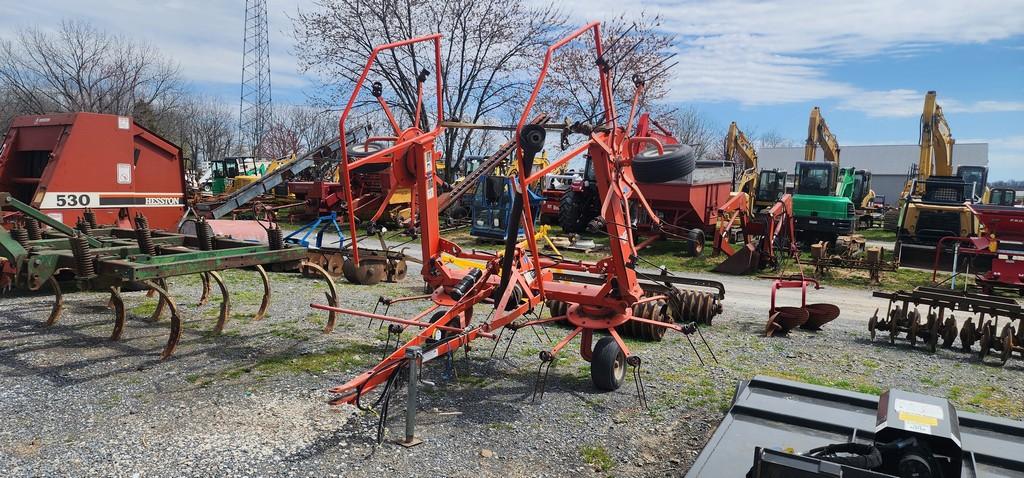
column 609, row 296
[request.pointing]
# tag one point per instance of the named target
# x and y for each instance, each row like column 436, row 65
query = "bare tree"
column 487, row 46
column 296, row 129
column 81, row 68
column 636, row 49
column 773, row 139
column 204, row 128
column 693, row 127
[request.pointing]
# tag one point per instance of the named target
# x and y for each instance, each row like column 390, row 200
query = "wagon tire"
column 651, row 167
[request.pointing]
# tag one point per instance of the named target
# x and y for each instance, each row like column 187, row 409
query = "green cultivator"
column 109, row 259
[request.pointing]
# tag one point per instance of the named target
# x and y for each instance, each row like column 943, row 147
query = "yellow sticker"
column 918, row 419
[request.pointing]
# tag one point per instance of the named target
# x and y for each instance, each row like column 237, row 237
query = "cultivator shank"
column 114, row 260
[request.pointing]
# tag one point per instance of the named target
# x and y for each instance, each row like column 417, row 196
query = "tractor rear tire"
column 572, row 213
column 651, row 167
column 695, row 243
column 607, row 365
column 359, row 151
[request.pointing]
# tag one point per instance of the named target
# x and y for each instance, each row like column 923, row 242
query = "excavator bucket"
column 746, row 260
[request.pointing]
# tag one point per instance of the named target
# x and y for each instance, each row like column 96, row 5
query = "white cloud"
column 204, row 37
column 908, row 103
column 772, row 52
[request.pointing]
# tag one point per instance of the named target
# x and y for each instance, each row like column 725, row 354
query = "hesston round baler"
column 595, row 297
column 63, row 164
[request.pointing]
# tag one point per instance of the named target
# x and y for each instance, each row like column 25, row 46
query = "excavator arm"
column 818, row 134
column 936, row 141
column 738, row 146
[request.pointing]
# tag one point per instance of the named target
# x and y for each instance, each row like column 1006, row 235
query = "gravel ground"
column 251, row 402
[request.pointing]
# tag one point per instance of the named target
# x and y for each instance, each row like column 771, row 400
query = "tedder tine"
column 172, row 341
column 225, row 303
column 332, row 295
column 58, row 302
column 161, row 302
column 117, row 304
column 266, row 293
column 206, row 290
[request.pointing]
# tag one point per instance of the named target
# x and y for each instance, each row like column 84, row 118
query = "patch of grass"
column 332, row 359
column 878, row 234
column 995, row 400
column 869, row 363
column 145, row 309
column 501, row 426
column 955, row 393
column 856, row 384
column 597, row 456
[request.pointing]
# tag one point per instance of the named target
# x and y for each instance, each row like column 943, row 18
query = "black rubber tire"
column 607, row 365
column 651, row 167
column 695, row 243
column 572, row 213
column 360, row 150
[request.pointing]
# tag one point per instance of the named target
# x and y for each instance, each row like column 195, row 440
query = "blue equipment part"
column 492, row 207
column 320, row 225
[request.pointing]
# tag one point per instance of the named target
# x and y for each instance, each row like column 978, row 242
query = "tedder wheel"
column 695, row 242
column 651, row 167
column 607, row 365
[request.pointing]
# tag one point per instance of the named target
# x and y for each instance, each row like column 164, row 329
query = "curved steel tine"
column 117, row 305
column 172, row 341
column 332, row 294
column 58, row 302
column 266, row 293
column 203, row 299
column 225, row 303
column 161, row 302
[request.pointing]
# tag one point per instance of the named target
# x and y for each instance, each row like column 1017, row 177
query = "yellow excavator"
column 934, row 201
column 763, row 188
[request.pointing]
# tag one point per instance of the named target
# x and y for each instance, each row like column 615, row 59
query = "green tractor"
column 822, row 201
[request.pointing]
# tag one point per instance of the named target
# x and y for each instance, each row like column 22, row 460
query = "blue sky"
column 763, row 63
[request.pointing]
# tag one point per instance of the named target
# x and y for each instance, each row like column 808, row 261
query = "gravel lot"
column 251, row 402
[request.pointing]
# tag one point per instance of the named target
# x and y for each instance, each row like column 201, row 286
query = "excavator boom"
column 818, row 134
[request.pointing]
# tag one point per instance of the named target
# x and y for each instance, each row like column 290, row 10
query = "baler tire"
column 359, row 151
column 607, row 365
column 678, row 161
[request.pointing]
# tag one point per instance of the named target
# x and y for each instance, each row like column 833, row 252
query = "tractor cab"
column 976, row 178
column 771, row 185
column 226, row 169
column 861, row 186
column 492, row 207
column 815, row 179
column 589, row 179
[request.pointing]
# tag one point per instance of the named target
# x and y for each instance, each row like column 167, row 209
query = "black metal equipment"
column 855, row 435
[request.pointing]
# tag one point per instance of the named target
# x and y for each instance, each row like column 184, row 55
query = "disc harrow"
column 114, row 260
column 997, row 332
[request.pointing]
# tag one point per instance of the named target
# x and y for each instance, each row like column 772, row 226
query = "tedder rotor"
column 594, row 298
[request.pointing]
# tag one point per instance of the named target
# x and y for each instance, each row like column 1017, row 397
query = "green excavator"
column 823, row 192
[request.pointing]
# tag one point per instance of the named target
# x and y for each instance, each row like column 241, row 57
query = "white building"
column 889, row 164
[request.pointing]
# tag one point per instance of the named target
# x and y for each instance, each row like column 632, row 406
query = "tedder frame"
column 519, row 280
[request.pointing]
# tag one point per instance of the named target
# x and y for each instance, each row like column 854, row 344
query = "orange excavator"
column 759, row 208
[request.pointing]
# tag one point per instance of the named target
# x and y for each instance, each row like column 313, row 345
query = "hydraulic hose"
column 531, row 139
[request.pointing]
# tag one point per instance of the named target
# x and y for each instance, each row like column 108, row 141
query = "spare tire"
column 651, row 167
column 362, row 150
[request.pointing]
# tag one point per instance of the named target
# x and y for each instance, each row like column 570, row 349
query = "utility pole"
column 254, row 109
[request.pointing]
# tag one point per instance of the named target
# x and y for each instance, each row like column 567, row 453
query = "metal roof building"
column 888, row 164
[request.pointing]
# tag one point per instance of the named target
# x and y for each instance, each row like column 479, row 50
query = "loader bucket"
column 783, row 414
column 745, row 261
